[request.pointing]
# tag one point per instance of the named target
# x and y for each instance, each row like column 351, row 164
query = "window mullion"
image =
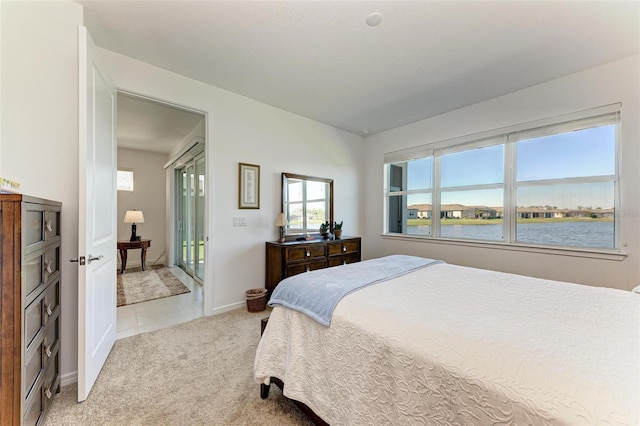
column 435, row 199
column 509, row 203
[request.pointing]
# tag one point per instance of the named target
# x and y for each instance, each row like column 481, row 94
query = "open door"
column 97, row 263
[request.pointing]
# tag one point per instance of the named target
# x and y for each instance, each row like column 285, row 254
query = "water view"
column 596, row 234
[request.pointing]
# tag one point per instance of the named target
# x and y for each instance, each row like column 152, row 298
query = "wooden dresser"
column 294, row 257
column 29, row 307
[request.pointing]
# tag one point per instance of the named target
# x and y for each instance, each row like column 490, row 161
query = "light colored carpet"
column 136, row 285
column 196, row 373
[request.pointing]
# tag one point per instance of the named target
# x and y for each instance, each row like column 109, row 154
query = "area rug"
column 136, row 286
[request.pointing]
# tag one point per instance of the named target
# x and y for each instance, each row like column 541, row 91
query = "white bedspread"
column 455, row 345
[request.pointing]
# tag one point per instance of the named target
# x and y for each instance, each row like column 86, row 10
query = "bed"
column 446, row 344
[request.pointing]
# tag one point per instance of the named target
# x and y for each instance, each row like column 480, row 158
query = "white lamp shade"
column 133, row 216
column 281, row 220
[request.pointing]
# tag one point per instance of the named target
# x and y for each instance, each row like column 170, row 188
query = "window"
column 125, row 180
column 550, row 184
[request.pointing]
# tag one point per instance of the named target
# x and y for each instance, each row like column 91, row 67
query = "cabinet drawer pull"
column 48, row 226
column 50, row 309
column 48, row 267
column 344, row 248
column 47, row 351
column 48, row 392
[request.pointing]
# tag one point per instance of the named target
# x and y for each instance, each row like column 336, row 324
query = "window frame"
column 124, row 170
column 509, row 137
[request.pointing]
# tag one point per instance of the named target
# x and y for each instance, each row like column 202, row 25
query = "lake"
column 568, row 234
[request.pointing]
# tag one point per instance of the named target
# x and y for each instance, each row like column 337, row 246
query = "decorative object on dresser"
column 294, row 257
column 281, row 222
column 30, row 307
column 337, row 230
column 324, row 229
column 133, row 217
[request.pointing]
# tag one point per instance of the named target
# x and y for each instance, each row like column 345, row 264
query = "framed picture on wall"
column 249, row 194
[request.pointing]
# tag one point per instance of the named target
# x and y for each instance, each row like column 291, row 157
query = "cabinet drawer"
column 41, row 223
column 51, row 263
column 299, row 268
column 299, row 253
column 33, row 408
column 33, row 278
column 51, row 301
column 343, row 260
column 33, row 320
column 40, row 311
column 343, row 247
column 34, row 365
column 38, row 401
column 51, row 382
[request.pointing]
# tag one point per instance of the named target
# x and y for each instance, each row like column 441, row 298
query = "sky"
column 582, row 153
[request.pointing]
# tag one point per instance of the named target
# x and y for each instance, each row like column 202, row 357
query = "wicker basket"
column 256, row 299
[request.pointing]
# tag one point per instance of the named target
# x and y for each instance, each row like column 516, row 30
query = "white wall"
column 240, row 129
column 149, row 196
column 610, row 83
column 39, row 135
column 39, row 148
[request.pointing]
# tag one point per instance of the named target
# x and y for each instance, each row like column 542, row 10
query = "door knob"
column 92, row 258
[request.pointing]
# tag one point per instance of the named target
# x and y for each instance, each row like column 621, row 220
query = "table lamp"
column 133, row 217
column 281, row 221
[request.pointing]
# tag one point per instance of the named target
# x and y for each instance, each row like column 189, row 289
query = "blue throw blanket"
column 317, row 293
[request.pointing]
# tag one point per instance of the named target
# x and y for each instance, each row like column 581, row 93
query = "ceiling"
column 152, row 126
column 321, row 60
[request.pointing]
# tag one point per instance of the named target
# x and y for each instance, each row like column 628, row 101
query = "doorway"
column 189, row 213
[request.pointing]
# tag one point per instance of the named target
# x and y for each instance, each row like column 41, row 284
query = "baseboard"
column 69, row 378
column 227, row 308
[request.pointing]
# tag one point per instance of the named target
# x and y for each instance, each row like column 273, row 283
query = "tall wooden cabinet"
column 29, row 307
column 294, row 257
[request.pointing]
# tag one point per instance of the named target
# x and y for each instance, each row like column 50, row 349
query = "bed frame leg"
column 264, row 391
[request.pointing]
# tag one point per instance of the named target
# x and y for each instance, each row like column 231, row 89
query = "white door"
column 97, row 216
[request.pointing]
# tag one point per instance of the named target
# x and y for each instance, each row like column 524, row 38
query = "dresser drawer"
column 40, row 311
column 298, row 268
column 343, row 260
column 51, row 301
column 304, row 252
column 32, row 269
column 34, row 365
column 343, row 247
column 39, row 398
column 51, row 262
column 42, row 223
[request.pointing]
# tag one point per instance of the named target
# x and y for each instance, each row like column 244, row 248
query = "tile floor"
column 160, row 313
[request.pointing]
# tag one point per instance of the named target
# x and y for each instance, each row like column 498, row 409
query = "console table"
column 123, row 246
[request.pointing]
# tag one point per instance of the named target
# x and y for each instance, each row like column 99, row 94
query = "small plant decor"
column 337, row 229
column 324, row 228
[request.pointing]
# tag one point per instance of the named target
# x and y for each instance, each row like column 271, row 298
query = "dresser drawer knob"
column 308, row 253
column 47, row 351
column 48, row 392
column 50, row 309
column 344, row 248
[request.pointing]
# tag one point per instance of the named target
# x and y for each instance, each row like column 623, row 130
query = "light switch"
column 239, row 221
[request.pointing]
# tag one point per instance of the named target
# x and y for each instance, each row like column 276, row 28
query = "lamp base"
column 133, row 232
column 282, row 236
